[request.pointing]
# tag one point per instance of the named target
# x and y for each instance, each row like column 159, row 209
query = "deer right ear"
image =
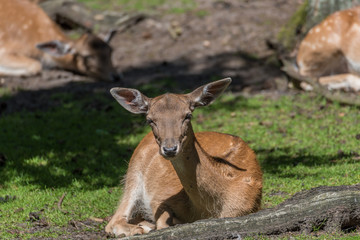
column 206, row 94
column 131, row 99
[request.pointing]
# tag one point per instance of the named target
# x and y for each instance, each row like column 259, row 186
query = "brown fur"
column 24, row 25
column 212, row 175
column 332, row 49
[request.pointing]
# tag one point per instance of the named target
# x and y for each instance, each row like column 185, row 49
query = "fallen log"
column 73, row 14
column 337, row 96
column 331, row 209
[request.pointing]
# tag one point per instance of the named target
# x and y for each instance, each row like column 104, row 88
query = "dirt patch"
column 218, row 39
column 230, row 40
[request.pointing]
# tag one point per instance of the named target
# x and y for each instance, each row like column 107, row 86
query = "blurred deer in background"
column 178, row 176
column 30, row 40
column 331, row 51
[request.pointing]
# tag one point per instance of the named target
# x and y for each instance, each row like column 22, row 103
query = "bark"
column 323, row 208
column 309, row 14
column 320, row 9
column 338, row 96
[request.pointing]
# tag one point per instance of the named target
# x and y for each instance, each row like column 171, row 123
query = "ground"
column 170, row 51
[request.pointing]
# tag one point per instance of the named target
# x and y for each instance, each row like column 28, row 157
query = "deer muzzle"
column 169, row 148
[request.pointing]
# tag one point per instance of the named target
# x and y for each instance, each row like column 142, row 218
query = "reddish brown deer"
column 177, row 176
column 331, row 51
column 30, row 40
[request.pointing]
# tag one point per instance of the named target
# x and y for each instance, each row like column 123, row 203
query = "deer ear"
column 55, row 48
column 131, row 99
column 206, row 94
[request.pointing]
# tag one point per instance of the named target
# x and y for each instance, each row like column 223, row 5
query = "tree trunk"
column 323, row 208
column 309, row 13
column 320, row 9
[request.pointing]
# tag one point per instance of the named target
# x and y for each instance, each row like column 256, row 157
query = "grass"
column 81, row 147
column 299, row 145
column 169, row 6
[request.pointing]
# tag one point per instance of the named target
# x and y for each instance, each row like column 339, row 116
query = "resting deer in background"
column 29, row 40
column 178, row 176
column 331, row 51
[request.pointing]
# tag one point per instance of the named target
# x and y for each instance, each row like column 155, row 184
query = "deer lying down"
column 30, row 40
column 178, row 176
column 331, row 51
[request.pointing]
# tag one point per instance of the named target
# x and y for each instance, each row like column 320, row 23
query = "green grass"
column 82, row 146
column 169, row 6
column 300, row 141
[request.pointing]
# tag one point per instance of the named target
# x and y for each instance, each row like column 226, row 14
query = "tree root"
column 329, row 209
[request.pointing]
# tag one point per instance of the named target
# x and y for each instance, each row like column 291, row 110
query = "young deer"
column 29, row 40
column 177, row 176
column 331, row 51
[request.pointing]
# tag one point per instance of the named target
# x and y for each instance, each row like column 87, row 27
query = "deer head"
column 169, row 115
column 88, row 55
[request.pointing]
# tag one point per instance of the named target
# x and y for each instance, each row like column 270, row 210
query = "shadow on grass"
column 244, row 69
column 75, row 133
column 179, row 76
column 272, row 160
column 83, row 143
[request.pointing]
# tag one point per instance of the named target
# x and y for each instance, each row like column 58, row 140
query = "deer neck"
column 191, row 165
column 186, row 162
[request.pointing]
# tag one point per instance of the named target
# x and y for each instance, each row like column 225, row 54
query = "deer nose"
column 170, row 151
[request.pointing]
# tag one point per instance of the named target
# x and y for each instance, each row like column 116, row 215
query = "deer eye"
column 188, row 116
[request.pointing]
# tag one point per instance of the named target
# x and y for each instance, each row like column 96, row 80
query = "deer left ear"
column 206, row 94
column 55, row 48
